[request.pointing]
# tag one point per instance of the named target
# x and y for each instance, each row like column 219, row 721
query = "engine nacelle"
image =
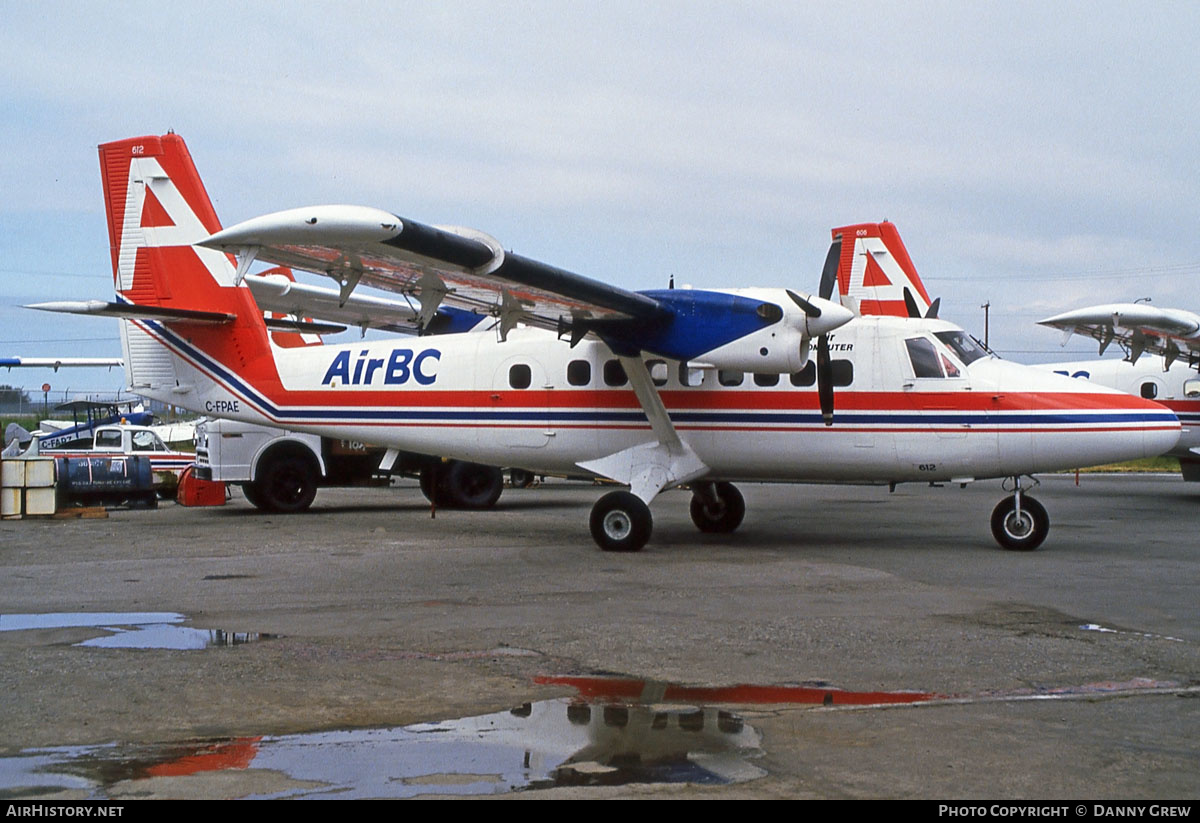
column 778, row 349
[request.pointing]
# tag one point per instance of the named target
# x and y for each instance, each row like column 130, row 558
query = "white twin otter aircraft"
column 523, row 364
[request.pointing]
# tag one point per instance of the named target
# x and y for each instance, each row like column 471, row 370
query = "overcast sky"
column 1038, row 156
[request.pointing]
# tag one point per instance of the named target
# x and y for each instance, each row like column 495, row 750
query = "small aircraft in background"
column 57, row 363
column 86, row 417
column 560, row 373
column 1162, row 356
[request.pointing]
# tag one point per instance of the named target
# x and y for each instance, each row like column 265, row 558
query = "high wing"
column 462, row 267
column 437, row 268
column 1137, row 328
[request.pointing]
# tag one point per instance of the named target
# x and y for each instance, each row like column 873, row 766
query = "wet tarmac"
column 535, row 746
column 132, row 630
column 839, row 645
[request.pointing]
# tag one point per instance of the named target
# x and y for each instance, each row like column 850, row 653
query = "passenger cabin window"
column 579, row 372
column 520, row 376
column 689, row 376
column 1191, row 388
column 842, row 372
column 766, row 379
column 727, row 377
column 924, row 357
column 1149, row 390
column 658, row 371
column 807, row 376
column 614, row 373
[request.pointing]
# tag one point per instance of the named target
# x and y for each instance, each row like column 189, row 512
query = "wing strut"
column 650, row 467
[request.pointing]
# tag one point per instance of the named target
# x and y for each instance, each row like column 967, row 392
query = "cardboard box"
column 39, row 472
column 39, row 501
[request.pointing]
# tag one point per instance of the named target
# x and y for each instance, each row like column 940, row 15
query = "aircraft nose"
column 1160, row 440
column 1077, row 425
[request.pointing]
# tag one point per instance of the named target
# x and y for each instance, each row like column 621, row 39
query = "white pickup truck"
column 116, row 439
column 280, row 470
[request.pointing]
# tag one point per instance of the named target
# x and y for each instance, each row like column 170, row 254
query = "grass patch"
column 1148, row 465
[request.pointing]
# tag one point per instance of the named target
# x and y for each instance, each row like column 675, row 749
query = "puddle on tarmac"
column 537, row 745
column 132, row 630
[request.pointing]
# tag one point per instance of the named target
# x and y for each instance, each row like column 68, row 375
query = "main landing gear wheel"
column 621, row 522
column 718, row 509
column 472, row 485
column 1022, row 532
column 457, row 484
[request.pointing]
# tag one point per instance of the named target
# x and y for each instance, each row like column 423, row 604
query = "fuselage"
column 914, row 401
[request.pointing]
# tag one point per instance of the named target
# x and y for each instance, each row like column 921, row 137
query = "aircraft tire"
column 1023, row 534
column 621, row 522
column 721, row 517
column 471, row 485
column 286, row 485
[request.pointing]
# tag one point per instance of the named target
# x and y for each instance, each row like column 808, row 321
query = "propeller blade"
column 805, row 306
column 829, row 273
column 933, row 309
column 910, row 304
column 825, row 379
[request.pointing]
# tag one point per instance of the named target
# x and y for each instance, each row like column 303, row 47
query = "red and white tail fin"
column 157, row 210
column 875, row 274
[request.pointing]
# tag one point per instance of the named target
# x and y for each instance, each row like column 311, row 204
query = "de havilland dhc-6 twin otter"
column 519, row 363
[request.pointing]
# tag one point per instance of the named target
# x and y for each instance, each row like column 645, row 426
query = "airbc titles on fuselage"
column 394, row 370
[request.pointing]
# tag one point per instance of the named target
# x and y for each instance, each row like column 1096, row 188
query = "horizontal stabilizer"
column 303, row 326
column 131, row 311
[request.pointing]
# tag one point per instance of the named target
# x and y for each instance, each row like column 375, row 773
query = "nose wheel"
column 1020, row 523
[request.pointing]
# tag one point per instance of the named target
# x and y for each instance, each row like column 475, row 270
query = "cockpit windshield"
column 962, row 344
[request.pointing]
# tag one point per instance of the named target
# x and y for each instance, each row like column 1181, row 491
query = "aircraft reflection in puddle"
column 607, row 687
column 537, row 745
column 132, row 630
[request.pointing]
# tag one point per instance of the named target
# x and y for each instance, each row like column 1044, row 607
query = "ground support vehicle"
column 280, row 470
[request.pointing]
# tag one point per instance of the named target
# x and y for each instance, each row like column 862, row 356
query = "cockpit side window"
column 951, row 369
column 963, row 345
column 924, row 357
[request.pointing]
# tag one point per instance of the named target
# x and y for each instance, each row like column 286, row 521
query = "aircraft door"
column 951, row 435
column 519, row 409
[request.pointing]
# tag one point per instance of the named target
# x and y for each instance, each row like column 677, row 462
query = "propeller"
column 910, row 304
column 824, row 363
